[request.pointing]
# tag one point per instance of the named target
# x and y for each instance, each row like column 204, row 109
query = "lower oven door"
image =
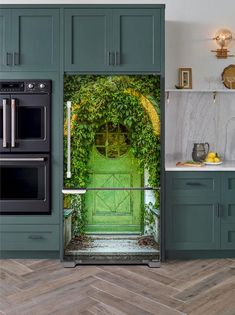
column 25, row 184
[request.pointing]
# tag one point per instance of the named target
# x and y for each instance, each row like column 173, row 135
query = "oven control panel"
column 25, row 86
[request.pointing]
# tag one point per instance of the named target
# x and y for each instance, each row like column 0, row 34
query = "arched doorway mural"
column 129, row 105
column 113, row 166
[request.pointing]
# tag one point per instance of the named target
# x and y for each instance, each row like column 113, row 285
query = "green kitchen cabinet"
column 200, row 211
column 227, row 211
column 192, row 211
column 137, row 39
column 116, row 40
column 4, row 39
column 87, row 39
column 29, row 39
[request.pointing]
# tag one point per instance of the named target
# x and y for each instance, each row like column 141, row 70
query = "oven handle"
column 69, row 105
column 13, row 122
column 22, row 159
column 4, row 120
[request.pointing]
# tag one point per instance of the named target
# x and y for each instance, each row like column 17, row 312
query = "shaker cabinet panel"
column 228, row 198
column 87, row 39
column 4, row 39
column 35, row 39
column 192, row 226
column 29, row 39
column 137, row 40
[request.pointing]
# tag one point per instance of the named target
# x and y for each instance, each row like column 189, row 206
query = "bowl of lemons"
column 213, row 159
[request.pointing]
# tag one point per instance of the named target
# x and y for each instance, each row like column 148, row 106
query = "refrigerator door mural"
column 112, row 169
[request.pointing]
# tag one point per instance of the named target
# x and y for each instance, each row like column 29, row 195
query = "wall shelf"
column 201, row 91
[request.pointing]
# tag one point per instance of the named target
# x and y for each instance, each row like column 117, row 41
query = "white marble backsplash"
column 194, row 117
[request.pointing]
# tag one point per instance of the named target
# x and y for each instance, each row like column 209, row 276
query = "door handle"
column 8, row 59
column 69, row 105
column 16, row 59
column 13, row 122
column 4, row 124
column 22, row 159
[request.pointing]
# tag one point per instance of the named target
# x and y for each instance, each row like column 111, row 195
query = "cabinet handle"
column 4, row 123
column 9, row 59
column 16, row 59
column 10, row 159
column 218, row 210
column 13, row 122
column 117, row 58
column 69, row 105
column 193, row 184
column 36, row 237
column 110, row 59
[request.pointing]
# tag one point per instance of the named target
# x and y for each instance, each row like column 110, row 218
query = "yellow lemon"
column 210, row 160
column 216, row 159
column 211, row 155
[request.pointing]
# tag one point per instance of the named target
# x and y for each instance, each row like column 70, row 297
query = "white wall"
column 190, row 26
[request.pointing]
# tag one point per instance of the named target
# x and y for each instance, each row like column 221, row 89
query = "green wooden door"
column 5, row 40
column 35, row 39
column 87, row 40
column 137, row 39
column 113, row 166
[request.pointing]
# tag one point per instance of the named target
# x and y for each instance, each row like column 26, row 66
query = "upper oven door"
column 30, row 123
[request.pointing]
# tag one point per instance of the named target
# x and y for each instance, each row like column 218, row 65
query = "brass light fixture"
column 223, row 39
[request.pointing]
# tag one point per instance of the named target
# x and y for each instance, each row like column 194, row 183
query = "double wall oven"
column 25, row 110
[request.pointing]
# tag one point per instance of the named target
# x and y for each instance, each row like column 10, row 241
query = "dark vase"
column 200, row 151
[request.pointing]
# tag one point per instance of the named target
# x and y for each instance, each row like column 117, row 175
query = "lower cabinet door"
column 228, row 236
column 29, row 237
column 192, row 226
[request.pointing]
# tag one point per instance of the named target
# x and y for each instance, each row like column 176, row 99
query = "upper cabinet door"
column 5, row 55
column 35, row 39
column 138, row 39
column 87, row 40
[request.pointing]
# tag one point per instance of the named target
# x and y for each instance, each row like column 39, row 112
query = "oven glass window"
column 19, row 183
column 30, row 123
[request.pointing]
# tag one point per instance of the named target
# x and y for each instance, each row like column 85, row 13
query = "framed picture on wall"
column 185, row 78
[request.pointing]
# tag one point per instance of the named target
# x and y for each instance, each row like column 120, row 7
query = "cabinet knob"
column 30, row 86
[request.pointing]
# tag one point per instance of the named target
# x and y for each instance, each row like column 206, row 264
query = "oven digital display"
column 12, row 86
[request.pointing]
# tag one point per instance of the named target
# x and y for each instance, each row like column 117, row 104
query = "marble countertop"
column 224, row 167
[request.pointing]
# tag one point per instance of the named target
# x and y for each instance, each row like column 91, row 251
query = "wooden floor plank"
column 43, row 287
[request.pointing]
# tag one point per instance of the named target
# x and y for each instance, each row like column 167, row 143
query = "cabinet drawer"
column 192, row 183
column 29, row 237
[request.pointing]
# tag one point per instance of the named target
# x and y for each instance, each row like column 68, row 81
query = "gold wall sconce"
column 223, row 39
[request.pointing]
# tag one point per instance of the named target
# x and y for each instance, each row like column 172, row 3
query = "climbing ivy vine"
column 100, row 99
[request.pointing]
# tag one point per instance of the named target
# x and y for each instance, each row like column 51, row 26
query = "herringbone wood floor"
column 199, row 287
